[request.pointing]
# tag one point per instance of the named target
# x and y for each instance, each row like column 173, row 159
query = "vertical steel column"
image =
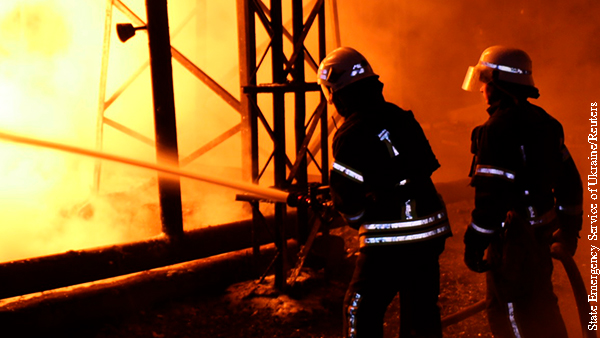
column 300, row 114
column 281, row 72
column 102, row 91
column 247, row 62
column 336, row 25
column 165, row 127
column 324, row 119
column 279, row 77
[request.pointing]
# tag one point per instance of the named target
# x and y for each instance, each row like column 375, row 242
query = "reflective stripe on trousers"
column 403, row 224
column 413, row 230
column 383, row 239
column 491, row 171
column 513, row 320
column 351, row 316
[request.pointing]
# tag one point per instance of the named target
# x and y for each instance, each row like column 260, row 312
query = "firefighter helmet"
column 510, row 64
column 341, row 68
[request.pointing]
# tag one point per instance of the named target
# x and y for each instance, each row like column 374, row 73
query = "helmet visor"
column 472, row 82
column 476, row 77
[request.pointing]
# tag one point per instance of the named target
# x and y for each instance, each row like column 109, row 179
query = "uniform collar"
column 503, row 104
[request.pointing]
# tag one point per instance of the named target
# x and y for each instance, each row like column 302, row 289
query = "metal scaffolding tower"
column 287, row 76
column 159, row 62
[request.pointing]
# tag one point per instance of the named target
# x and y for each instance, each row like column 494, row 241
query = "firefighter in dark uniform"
column 528, row 194
column 381, row 185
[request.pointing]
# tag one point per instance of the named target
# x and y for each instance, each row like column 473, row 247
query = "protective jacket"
column 380, row 180
column 521, row 164
column 526, row 186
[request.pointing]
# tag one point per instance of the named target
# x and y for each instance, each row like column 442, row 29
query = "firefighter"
column 380, row 183
column 528, row 194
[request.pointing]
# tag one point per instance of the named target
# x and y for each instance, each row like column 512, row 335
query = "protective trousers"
column 412, row 271
column 521, row 300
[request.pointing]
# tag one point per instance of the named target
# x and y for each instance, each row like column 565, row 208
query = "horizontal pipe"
column 282, row 88
column 26, row 276
column 52, row 313
column 268, row 193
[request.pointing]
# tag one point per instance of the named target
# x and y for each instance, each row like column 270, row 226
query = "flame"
column 50, row 65
column 46, row 90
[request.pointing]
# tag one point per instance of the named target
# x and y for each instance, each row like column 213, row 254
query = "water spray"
column 267, row 193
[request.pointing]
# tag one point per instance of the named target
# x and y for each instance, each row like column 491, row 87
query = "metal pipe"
column 336, row 23
column 47, row 314
column 102, row 89
column 280, row 156
column 247, row 72
column 74, row 267
column 301, row 175
column 324, row 136
column 165, row 126
column 267, row 193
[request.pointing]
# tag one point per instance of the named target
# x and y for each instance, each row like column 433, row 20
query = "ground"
column 313, row 308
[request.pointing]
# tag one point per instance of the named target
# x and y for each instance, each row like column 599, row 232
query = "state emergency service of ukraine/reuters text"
column 592, row 181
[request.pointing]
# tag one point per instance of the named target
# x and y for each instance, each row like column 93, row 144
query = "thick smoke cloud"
column 422, row 51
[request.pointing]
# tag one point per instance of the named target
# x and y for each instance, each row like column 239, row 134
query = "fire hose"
column 267, row 193
column 579, row 292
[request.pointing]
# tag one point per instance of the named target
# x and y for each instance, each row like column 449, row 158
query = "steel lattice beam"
column 282, row 67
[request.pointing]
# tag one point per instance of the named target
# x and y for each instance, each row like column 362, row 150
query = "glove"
column 474, row 260
column 475, row 245
column 568, row 234
column 567, row 239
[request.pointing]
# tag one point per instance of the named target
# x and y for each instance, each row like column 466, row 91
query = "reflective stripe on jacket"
column 404, row 230
column 381, row 176
column 521, row 164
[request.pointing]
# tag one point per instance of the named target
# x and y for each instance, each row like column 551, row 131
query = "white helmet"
column 511, row 65
column 340, row 68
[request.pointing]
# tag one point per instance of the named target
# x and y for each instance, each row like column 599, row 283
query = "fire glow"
column 50, row 58
column 43, row 92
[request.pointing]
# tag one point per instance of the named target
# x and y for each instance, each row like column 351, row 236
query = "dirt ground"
column 314, row 307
